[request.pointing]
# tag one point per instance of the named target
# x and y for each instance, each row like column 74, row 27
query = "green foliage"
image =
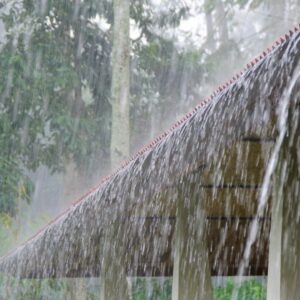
column 152, row 289
column 224, row 293
column 12, row 288
column 14, row 187
column 6, row 233
column 252, row 290
column 44, row 119
column 248, row 290
column 55, row 50
column 161, row 289
column 142, row 289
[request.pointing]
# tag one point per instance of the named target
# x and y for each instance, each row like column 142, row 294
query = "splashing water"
column 129, row 220
column 282, row 112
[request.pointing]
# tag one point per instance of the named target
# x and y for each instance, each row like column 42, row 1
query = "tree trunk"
column 210, row 42
column 222, row 23
column 120, row 83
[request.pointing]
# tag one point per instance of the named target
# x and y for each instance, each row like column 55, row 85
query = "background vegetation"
column 142, row 289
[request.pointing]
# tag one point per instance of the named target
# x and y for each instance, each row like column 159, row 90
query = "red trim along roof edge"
column 282, row 39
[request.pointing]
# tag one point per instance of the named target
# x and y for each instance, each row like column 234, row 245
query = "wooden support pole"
column 78, row 288
column 113, row 281
column 191, row 275
column 114, row 285
column 284, row 250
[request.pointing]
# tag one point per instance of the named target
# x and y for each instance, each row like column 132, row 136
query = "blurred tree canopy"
column 55, row 82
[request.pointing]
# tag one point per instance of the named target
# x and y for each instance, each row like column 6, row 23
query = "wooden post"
column 284, row 253
column 275, row 251
column 113, row 281
column 114, row 285
column 191, row 274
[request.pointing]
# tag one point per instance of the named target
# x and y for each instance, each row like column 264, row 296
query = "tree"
column 120, row 83
column 46, row 63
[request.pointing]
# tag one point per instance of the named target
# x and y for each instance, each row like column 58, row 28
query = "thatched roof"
column 219, row 149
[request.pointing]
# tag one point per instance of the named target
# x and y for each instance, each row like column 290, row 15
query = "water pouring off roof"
column 210, row 166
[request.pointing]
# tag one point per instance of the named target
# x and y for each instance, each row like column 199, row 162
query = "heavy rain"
column 150, row 149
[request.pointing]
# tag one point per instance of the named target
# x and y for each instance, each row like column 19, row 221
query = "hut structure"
column 218, row 194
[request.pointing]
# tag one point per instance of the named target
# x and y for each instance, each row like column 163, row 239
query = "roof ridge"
column 147, row 147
